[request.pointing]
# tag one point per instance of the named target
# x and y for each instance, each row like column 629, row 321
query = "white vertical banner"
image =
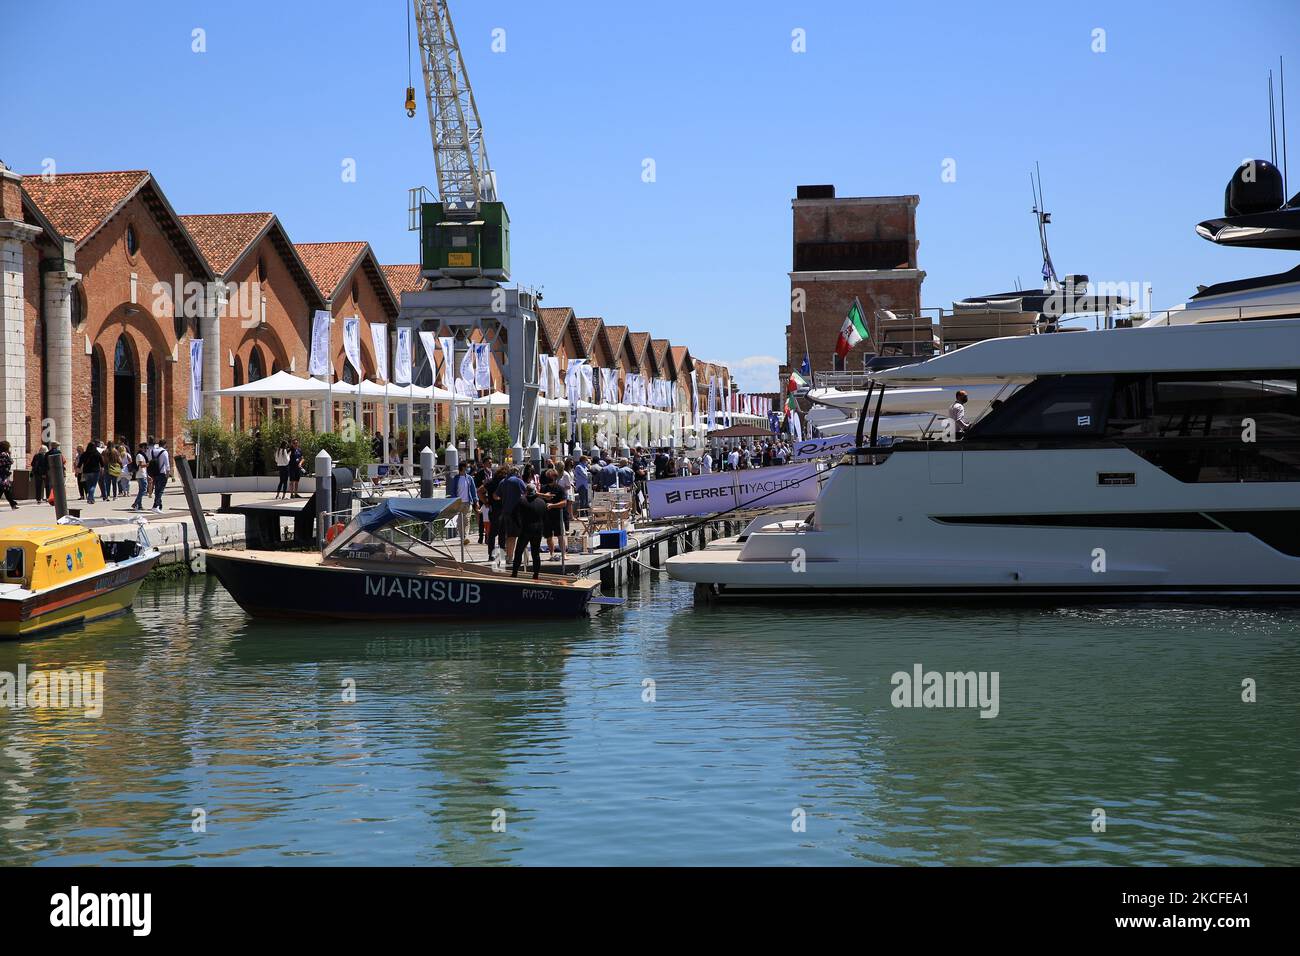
column 379, row 339
column 319, row 363
column 483, row 370
column 544, row 375
column 557, row 381
column 448, row 344
column 429, row 342
column 402, row 358
column 467, row 376
column 352, row 344
column 196, row 378
column 713, row 403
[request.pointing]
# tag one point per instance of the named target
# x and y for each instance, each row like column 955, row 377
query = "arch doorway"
column 126, row 389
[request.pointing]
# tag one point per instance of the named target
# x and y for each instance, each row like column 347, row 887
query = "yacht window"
column 1063, row 406
column 14, row 562
column 1221, row 407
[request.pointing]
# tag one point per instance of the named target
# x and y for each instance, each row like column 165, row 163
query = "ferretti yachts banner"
column 196, row 378
column 819, row 447
column 320, row 344
column 711, row 493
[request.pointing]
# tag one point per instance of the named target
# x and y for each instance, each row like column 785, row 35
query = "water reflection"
column 757, row 714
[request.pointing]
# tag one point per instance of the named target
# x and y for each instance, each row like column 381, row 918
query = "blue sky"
column 1135, row 143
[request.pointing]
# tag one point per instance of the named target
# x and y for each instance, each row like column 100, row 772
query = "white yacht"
column 1151, row 463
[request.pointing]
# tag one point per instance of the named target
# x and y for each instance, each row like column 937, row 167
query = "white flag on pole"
column 379, row 339
column 352, row 343
column 484, row 369
column 429, row 342
column 402, row 358
column 448, row 344
column 320, row 344
column 196, row 378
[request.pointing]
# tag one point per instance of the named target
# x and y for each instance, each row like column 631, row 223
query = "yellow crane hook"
column 410, row 101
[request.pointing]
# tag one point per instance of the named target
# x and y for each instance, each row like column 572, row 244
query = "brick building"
column 863, row 246
column 103, row 286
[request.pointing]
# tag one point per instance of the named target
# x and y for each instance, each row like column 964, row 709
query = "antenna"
column 1281, row 82
column 1272, row 123
column 1050, row 282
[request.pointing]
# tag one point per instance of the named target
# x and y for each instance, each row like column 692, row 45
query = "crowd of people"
column 103, row 469
column 520, row 507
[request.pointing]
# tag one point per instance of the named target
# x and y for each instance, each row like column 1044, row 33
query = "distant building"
column 863, row 246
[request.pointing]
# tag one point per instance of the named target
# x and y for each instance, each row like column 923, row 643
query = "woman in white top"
column 282, row 465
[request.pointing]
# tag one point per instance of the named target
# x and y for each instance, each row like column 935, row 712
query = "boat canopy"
column 390, row 510
column 1219, row 346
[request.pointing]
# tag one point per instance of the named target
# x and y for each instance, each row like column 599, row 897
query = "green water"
column 760, row 717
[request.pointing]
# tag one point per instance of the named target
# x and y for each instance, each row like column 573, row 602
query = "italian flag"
column 853, row 331
column 796, row 382
column 790, row 405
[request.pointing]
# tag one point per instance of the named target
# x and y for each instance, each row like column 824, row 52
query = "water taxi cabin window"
column 14, row 562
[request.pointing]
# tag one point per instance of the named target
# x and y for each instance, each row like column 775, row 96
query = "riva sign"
column 709, row 494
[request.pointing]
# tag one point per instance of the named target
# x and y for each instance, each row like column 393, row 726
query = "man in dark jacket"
column 41, row 474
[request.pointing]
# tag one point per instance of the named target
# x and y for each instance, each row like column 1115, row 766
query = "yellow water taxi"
column 55, row 576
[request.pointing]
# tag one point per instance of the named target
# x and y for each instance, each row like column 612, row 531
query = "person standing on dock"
column 282, row 467
column 40, row 473
column 295, row 468
column 7, row 474
column 461, row 485
column 531, row 513
column 160, row 468
column 91, row 463
column 511, row 491
column 141, row 473
column 582, row 483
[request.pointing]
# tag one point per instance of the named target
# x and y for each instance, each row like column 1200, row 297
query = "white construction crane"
column 465, row 177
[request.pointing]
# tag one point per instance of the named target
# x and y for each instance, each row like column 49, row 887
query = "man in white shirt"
column 957, row 412
column 706, row 463
column 733, row 460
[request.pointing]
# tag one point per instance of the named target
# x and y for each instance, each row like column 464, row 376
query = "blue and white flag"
column 448, row 344
column 379, row 339
column 352, row 344
column 483, row 366
column 402, row 358
column 319, row 363
column 196, row 378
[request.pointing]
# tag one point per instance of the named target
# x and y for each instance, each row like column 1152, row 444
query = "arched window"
column 76, row 306
column 153, row 398
column 257, row 371
column 261, row 269
column 126, row 391
column 132, row 240
column 349, row 373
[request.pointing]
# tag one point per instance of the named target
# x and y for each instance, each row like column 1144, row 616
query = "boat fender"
column 332, row 531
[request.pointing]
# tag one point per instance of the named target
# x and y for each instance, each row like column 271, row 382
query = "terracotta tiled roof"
column 552, row 322
column 640, row 341
column 404, row 277
column 680, row 354
column 616, row 335
column 329, row 262
column 223, row 237
column 77, row 204
column 588, row 329
column 661, row 350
